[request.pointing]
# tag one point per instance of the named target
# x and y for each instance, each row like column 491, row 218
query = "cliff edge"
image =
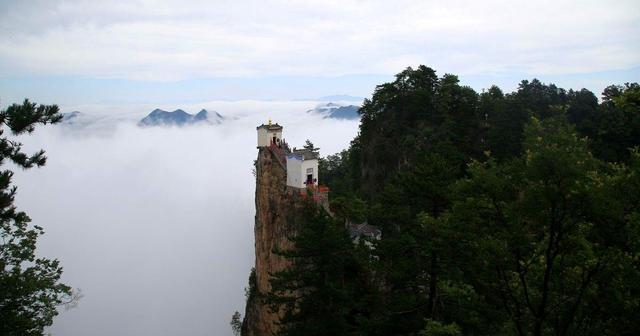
column 278, row 213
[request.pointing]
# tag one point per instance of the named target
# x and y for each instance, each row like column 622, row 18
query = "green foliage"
column 336, row 174
column 320, row 294
column 501, row 214
column 30, row 288
column 537, row 225
column 236, row 323
column 309, row 145
column 352, row 209
column 251, row 290
column 617, row 123
column 435, row 328
column 416, row 114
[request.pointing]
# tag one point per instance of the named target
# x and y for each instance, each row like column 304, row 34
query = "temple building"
column 302, row 168
column 268, row 134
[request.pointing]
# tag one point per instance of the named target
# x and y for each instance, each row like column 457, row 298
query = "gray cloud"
column 155, row 225
column 173, row 40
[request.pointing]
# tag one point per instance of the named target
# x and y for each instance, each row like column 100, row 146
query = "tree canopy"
column 501, row 214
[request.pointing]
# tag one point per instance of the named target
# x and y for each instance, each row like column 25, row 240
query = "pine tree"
column 236, row 323
column 319, row 294
column 30, row 287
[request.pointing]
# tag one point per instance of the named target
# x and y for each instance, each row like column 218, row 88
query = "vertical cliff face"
column 278, row 213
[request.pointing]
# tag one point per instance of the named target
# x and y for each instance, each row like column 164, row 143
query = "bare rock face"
column 278, row 213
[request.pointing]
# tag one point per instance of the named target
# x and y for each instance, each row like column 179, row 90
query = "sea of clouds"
column 155, row 225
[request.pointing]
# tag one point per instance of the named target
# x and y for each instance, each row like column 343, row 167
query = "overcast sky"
column 141, row 51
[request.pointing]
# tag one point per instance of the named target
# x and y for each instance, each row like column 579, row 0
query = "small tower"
column 268, row 134
column 302, row 168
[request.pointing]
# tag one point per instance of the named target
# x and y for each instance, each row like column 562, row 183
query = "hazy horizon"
column 155, row 225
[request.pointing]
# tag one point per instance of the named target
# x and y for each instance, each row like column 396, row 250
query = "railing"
column 279, row 152
column 320, row 194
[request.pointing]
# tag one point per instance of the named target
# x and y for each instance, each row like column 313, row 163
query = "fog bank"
column 155, row 225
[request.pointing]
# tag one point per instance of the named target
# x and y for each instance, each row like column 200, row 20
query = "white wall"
column 294, row 172
column 297, row 171
column 264, row 137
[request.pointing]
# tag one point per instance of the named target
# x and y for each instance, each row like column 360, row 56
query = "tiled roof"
column 305, row 154
column 271, row 127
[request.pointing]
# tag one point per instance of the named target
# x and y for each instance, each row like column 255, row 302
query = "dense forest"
column 501, row 214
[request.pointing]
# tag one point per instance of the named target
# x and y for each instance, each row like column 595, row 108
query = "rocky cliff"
column 278, row 213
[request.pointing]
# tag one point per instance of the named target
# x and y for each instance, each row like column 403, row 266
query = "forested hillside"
column 501, row 214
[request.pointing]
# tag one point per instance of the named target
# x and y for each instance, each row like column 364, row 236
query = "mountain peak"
column 337, row 111
column 178, row 117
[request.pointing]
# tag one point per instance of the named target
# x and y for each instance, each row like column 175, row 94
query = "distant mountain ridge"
column 337, row 111
column 77, row 119
column 70, row 117
column 179, row 117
